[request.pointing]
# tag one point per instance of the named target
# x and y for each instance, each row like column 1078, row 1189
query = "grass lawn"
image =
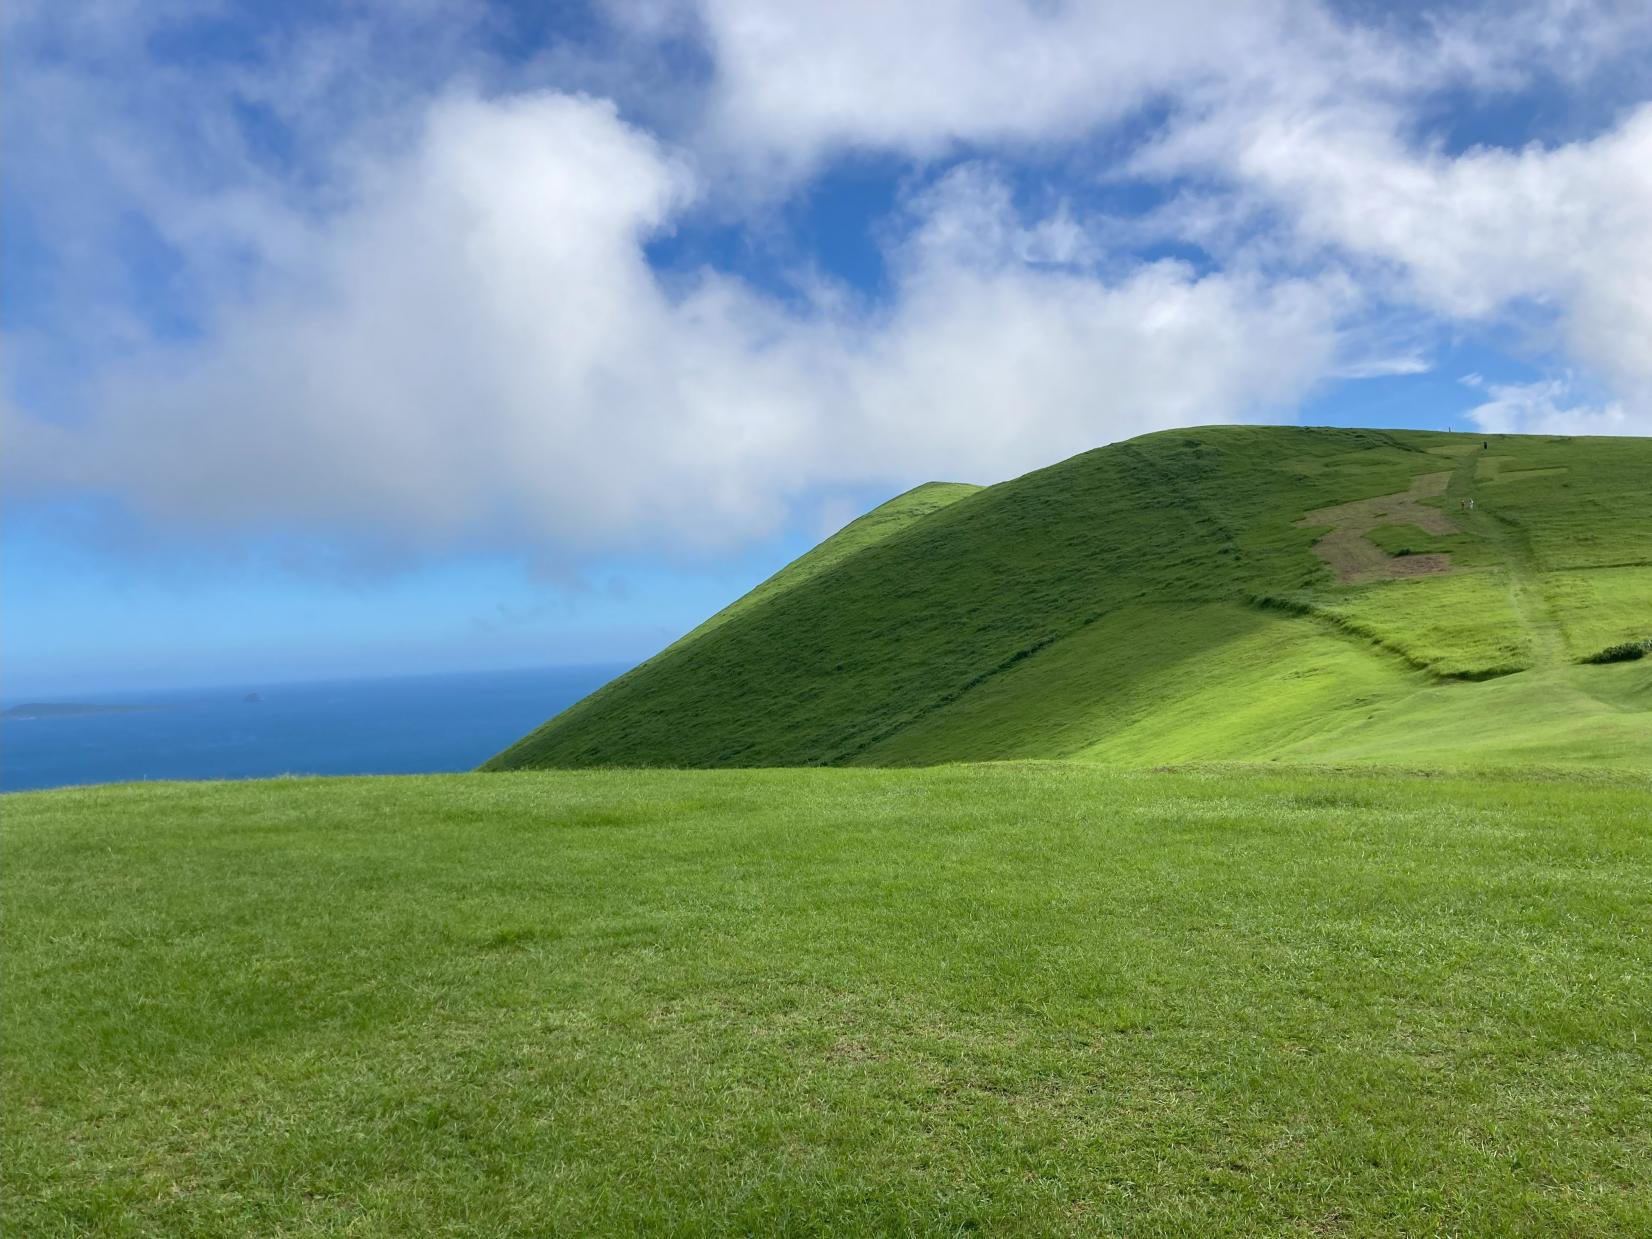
column 1024, row 998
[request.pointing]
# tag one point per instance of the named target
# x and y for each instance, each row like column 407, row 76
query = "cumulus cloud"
column 1559, row 231
column 480, row 348
column 441, row 325
column 1551, row 406
column 1305, row 118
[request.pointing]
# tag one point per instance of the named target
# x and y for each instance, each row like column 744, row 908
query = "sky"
column 371, row 338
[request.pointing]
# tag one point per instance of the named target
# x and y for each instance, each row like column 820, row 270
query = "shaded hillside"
column 1233, row 592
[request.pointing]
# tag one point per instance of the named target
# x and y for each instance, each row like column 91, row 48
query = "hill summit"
column 1217, row 593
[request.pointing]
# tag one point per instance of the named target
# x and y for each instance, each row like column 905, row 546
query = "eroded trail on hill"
column 1548, row 640
column 1355, row 558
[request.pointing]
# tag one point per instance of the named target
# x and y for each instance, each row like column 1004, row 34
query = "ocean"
column 406, row 725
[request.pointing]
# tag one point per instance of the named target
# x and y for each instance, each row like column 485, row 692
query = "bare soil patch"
column 1355, row 558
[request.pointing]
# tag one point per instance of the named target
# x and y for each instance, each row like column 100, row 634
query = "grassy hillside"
column 858, row 535
column 1226, row 592
column 1041, row 998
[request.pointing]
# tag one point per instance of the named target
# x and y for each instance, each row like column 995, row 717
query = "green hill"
column 1229, row 593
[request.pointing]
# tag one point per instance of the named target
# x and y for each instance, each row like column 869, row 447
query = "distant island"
column 60, row 709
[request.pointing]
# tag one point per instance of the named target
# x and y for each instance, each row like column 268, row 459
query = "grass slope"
column 1040, row 998
column 859, row 535
column 1162, row 600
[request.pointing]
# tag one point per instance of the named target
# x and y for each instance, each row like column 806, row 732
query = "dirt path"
column 1548, row 639
column 1355, row 558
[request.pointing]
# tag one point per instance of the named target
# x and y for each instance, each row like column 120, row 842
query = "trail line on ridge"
column 1548, row 640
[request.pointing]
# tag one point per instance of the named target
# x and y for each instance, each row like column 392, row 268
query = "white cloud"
column 1300, row 124
column 440, row 324
column 1560, row 230
column 1546, row 407
column 1374, row 367
column 479, row 346
column 795, row 81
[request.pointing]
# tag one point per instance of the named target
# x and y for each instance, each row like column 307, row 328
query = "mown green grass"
column 1044, row 998
column 1130, row 689
column 1578, row 502
column 1588, row 717
column 1461, row 624
column 1603, row 607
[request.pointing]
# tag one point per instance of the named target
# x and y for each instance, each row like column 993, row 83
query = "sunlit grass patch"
column 1602, row 607
column 1461, row 624
column 1035, row 998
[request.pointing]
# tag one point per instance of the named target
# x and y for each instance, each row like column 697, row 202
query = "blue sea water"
column 409, row 725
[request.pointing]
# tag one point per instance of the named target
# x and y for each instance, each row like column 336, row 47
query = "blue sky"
column 379, row 338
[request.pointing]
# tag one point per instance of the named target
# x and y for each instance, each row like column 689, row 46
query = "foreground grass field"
column 1024, row 998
